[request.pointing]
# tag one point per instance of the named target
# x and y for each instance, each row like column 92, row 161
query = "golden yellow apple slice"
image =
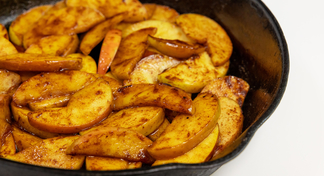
column 134, row 9
column 23, row 139
column 50, row 153
column 9, row 81
column 201, row 153
column 86, row 108
column 51, row 84
column 8, row 147
column 150, row 8
column 114, row 83
column 3, row 32
column 5, row 113
column 38, row 62
column 113, row 142
column 193, row 74
column 153, row 95
column 230, row 123
column 88, row 65
column 229, row 86
column 141, row 119
column 23, row 22
column 56, row 45
column 165, row 30
column 96, row 34
column 130, row 51
column 175, row 48
column 97, row 163
column 5, row 129
column 108, row 50
column 68, row 20
column 205, row 30
column 187, row 131
column 147, row 69
column 157, row 133
column 20, row 114
column 164, row 13
column 6, row 47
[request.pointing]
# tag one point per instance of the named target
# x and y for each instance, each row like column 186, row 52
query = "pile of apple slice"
column 155, row 93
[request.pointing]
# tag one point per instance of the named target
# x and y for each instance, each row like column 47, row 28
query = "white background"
column 291, row 142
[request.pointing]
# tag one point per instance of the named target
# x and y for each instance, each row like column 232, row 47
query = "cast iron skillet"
column 260, row 57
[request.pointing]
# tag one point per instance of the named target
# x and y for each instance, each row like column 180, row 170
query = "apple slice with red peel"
column 175, row 48
column 109, row 49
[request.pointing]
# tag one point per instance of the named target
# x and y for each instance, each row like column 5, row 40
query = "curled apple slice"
column 175, row 48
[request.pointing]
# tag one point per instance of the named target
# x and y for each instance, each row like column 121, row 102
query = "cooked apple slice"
column 38, row 62
column 150, row 8
column 9, row 81
column 113, row 142
column 108, row 50
column 201, row 153
column 6, row 47
column 114, row 83
column 130, row 51
column 31, row 36
column 69, row 20
column 164, row 13
column 86, row 108
column 51, row 84
column 5, row 113
column 203, row 29
column 3, row 32
column 97, row 163
column 147, row 69
column 165, row 30
column 8, row 147
column 20, row 114
column 187, row 131
column 135, row 10
column 5, row 129
column 88, row 65
column 157, row 133
column 50, row 153
column 95, row 35
column 23, row 22
column 23, row 139
column 51, row 102
column 56, row 45
column 229, row 86
column 25, row 75
column 153, row 95
column 193, row 74
column 141, row 119
column 175, row 48
column 230, row 123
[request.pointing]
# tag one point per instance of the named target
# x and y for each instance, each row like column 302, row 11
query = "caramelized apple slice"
column 113, row 142
column 5, row 113
column 157, row 133
column 187, row 131
column 108, row 50
column 50, row 153
column 6, row 47
column 141, row 119
column 229, row 86
column 23, row 139
column 175, row 48
column 86, row 108
column 205, row 30
column 153, row 95
column 96, row 34
column 88, row 65
column 9, row 82
column 130, row 51
column 38, row 62
column 97, row 163
column 201, row 153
